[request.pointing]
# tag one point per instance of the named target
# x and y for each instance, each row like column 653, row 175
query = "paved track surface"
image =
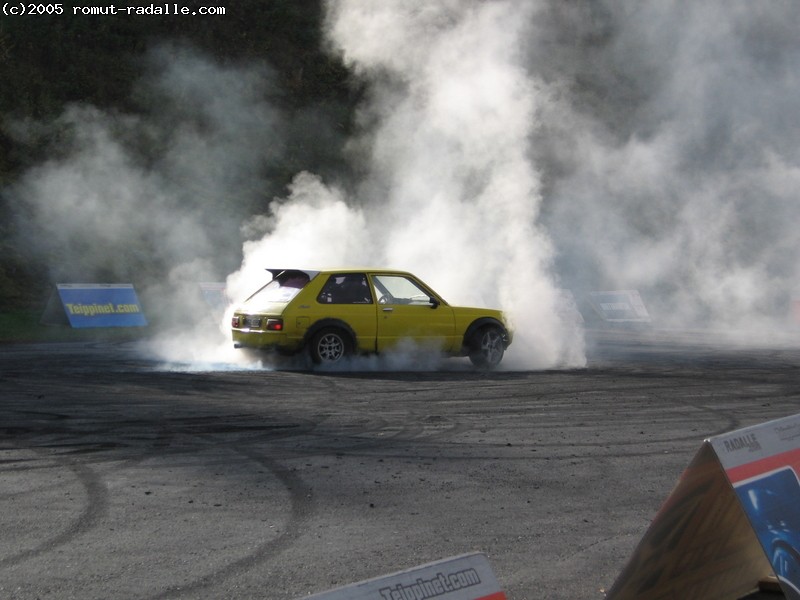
column 121, row 478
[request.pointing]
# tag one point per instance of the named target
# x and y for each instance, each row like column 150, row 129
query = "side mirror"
column 434, row 302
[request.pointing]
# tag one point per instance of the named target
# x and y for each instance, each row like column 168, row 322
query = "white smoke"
column 313, row 227
column 135, row 195
column 507, row 149
column 155, row 198
column 512, row 148
column 673, row 151
column 450, row 193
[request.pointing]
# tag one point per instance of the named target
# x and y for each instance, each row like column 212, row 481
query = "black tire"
column 487, row 347
column 330, row 346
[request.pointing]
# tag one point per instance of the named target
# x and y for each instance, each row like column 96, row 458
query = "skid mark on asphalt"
column 93, row 510
column 302, row 507
column 190, row 436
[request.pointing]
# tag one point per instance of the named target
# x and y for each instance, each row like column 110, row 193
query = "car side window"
column 396, row 289
column 346, row 288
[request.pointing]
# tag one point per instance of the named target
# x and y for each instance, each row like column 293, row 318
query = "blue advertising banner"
column 101, row 305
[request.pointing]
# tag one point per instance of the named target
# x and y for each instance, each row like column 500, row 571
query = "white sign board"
column 623, row 306
column 466, row 577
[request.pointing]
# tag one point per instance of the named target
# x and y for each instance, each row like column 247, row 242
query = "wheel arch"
column 483, row 322
column 317, row 326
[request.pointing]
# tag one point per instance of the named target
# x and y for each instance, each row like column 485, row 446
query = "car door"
column 407, row 311
column 347, row 297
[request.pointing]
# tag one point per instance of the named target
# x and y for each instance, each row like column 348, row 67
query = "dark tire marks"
column 93, row 509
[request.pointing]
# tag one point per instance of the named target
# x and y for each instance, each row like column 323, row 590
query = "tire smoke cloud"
column 671, row 154
column 515, row 148
column 506, row 150
column 154, row 197
column 449, row 190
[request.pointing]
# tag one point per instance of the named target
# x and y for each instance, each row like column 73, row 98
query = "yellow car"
column 338, row 313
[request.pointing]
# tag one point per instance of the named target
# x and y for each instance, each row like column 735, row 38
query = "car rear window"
column 282, row 288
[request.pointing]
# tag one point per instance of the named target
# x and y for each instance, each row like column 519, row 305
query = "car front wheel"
column 329, row 346
column 487, row 347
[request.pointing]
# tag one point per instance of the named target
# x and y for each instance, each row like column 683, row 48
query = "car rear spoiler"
column 276, row 272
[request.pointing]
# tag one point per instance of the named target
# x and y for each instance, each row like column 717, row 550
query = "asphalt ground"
column 123, row 477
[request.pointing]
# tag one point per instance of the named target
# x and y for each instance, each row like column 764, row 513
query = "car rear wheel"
column 329, row 346
column 487, row 347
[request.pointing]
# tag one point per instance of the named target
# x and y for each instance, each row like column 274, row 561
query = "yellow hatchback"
column 339, row 313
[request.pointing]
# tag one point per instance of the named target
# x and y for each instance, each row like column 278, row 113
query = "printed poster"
column 467, row 577
column 732, row 520
column 762, row 464
column 101, row 305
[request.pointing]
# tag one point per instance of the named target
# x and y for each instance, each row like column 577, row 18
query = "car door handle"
column 388, row 309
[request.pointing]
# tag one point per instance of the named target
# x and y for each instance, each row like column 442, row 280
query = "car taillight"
column 275, row 324
column 236, row 321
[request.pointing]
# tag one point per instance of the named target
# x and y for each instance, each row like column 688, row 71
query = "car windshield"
column 281, row 289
